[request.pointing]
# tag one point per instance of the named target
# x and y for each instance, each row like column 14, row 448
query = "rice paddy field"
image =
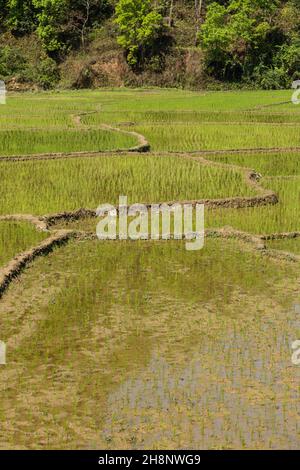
column 143, row 344
column 59, row 183
column 15, row 238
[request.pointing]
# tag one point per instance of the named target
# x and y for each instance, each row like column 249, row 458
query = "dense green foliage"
column 252, row 42
column 139, row 26
column 253, row 39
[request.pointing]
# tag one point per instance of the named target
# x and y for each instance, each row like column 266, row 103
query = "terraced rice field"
column 121, row 344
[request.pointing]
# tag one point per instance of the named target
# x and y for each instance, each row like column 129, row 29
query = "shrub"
column 11, row 62
column 47, row 73
column 271, row 78
column 140, row 26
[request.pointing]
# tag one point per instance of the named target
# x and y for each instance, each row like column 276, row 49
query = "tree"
column 3, row 13
column 82, row 16
column 171, row 13
column 86, row 18
column 21, row 16
column 140, row 25
column 239, row 36
column 79, row 19
column 51, row 14
column 200, row 7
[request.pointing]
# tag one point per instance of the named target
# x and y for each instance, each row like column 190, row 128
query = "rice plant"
column 16, row 237
column 124, row 339
column 282, row 217
column 267, row 164
column 68, row 184
column 120, row 344
column 215, row 136
column 20, row 142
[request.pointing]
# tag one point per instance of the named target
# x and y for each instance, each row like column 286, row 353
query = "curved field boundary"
column 226, row 203
column 83, row 153
column 15, row 266
column 143, row 144
column 257, row 242
column 62, row 155
column 267, row 197
column 139, row 150
column 251, row 178
column 281, row 236
column 230, row 233
column 71, row 216
column 282, row 255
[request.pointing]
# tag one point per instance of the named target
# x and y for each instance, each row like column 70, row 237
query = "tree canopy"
column 243, row 41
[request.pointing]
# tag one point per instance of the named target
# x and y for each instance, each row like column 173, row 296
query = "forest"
column 182, row 43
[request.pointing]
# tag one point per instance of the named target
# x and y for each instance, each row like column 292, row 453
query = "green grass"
column 207, row 136
column 268, row 164
column 16, row 237
column 20, row 142
column 57, row 185
column 194, row 117
column 282, row 217
column 154, row 100
column 172, row 119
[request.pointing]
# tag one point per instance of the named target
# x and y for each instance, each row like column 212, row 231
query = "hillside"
column 168, row 43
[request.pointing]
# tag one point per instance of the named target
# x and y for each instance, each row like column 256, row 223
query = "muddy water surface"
column 146, row 345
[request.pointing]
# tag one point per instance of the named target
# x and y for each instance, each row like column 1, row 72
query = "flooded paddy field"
column 137, row 345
